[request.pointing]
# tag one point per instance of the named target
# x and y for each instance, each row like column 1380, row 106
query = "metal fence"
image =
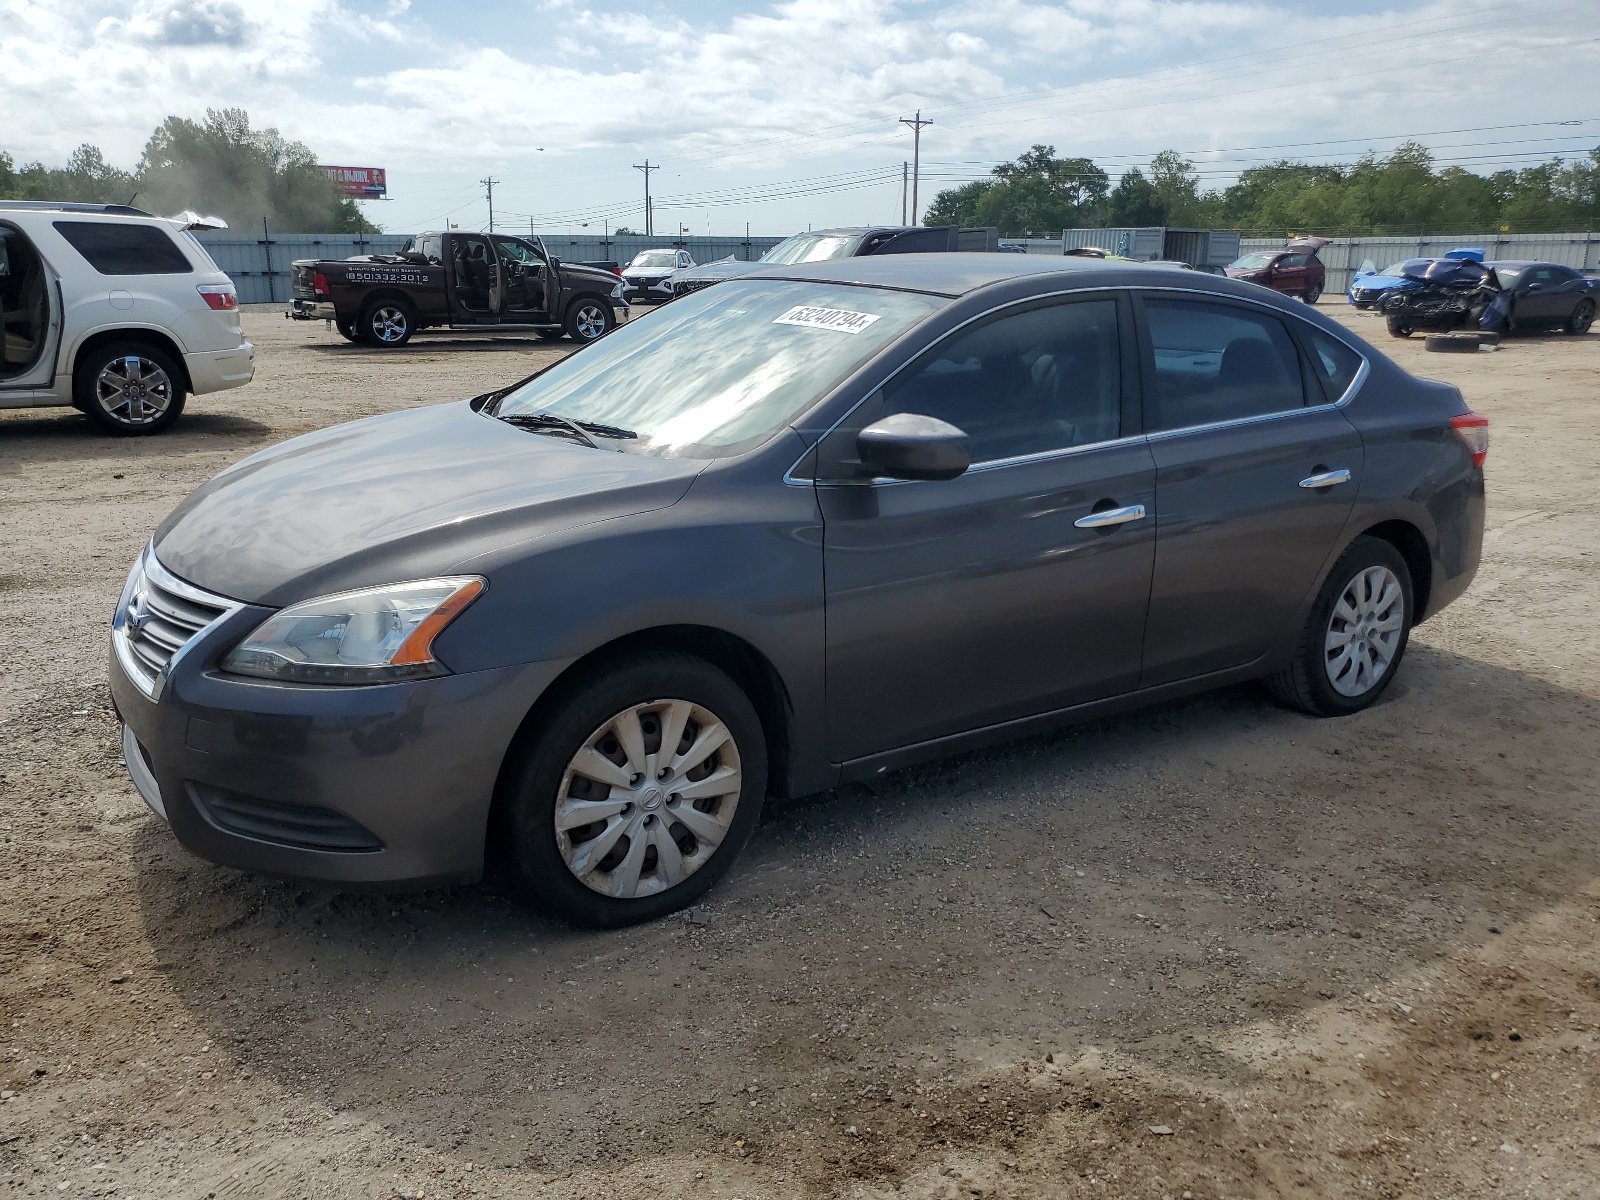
column 1343, row 256
column 259, row 267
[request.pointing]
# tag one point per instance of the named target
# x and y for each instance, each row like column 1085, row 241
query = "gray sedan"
column 805, row 527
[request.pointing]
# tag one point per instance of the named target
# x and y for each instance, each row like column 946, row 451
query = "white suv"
column 114, row 311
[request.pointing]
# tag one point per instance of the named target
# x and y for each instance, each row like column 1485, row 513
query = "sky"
column 786, row 115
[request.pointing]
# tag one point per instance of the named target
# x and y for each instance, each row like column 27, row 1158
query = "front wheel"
column 637, row 793
column 1399, row 327
column 387, row 323
column 129, row 388
column 1582, row 317
column 589, row 318
column 1355, row 637
column 1312, row 294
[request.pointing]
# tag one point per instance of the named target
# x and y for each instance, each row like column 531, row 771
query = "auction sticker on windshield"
column 840, row 319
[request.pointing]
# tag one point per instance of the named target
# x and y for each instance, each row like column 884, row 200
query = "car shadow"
column 1139, row 882
column 455, row 343
column 52, row 434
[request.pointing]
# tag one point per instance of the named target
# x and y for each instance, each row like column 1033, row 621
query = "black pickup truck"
column 457, row 280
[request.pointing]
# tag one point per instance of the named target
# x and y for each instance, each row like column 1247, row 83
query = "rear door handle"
column 1111, row 516
column 1324, row 479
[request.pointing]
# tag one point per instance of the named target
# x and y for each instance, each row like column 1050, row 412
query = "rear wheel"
column 1355, row 636
column 387, row 323
column 128, row 388
column 589, row 318
column 637, row 793
column 1582, row 317
column 1312, row 294
column 1399, row 327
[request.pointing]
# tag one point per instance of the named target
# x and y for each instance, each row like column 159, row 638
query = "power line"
column 916, row 123
column 649, row 212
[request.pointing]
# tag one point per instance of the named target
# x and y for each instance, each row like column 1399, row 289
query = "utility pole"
column 916, row 124
column 488, row 186
column 649, row 213
column 905, row 168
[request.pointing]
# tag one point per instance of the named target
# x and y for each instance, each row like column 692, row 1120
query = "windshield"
column 1254, row 261
column 1399, row 268
column 655, row 258
column 812, row 247
column 720, row 369
column 1507, row 276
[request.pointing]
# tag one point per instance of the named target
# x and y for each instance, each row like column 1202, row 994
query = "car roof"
column 957, row 273
column 1523, row 262
column 104, row 210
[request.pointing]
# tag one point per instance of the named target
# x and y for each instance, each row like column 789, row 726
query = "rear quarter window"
column 1334, row 363
column 113, row 248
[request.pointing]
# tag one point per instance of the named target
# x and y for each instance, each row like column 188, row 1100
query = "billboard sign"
column 360, row 183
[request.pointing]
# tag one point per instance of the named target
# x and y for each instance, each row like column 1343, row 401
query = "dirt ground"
column 1213, row 950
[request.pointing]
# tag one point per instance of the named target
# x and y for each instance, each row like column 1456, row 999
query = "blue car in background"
column 1369, row 284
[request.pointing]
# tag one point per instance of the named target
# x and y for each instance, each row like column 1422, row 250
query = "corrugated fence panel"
column 1344, row 256
column 259, row 267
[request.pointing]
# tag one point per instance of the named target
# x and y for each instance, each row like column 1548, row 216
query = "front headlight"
column 616, row 292
column 376, row 635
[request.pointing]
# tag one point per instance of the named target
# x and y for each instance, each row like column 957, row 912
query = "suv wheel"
column 589, row 318
column 1356, row 635
column 1312, row 294
column 129, row 388
column 637, row 793
column 387, row 323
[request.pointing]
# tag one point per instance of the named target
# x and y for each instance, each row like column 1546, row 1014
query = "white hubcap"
column 1364, row 631
column 648, row 798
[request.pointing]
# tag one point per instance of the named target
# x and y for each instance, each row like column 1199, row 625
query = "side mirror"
column 1534, row 287
column 912, row 446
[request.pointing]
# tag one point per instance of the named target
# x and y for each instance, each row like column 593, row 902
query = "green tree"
column 1038, row 193
column 221, row 165
column 1134, row 203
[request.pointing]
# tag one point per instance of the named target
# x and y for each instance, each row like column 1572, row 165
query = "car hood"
column 727, row 268
column 1379, row 283
column 408, row 495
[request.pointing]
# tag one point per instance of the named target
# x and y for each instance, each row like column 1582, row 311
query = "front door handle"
column 1324, row 479
column 1111, row 516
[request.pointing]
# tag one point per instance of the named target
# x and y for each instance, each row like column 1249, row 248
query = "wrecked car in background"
column 1369, row 285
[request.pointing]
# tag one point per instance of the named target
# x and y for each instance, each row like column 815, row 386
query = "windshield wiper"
column 551, row 422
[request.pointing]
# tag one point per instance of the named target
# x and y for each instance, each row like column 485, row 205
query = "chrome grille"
column 158, row 616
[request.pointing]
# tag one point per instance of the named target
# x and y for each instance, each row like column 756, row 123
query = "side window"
column 1294, row 260
column 433, row 250
column 1215, row 362
column 1040, row 380
column 118, row 249
column 1335, row 363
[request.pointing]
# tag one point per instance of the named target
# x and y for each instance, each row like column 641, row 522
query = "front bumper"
column 657, row 292
column 255, row 775
column 218, row 370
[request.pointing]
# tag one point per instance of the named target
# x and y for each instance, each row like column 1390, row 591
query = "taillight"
column 1474, row 431
column 219, row 296
column 319, row 284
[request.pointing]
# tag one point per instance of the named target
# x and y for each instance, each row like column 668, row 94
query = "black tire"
column 589, row 318
column 1307, row 682
column 1454, row 343
column 552, row 335
column 1582, row 317
column 1399, row 327
column 1312, row 294
column 387, row 323
column 347, row 330
column 538, row 769
column 157, row 383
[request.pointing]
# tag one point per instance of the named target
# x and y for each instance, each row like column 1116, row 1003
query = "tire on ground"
column 1398, row 327
column 1305, row 683
column 528, row 843
column 98, row 375
column 1456, row 343
column 387, row 322
column 589, row 318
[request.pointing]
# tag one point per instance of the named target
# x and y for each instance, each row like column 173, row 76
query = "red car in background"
column 1295, row 270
